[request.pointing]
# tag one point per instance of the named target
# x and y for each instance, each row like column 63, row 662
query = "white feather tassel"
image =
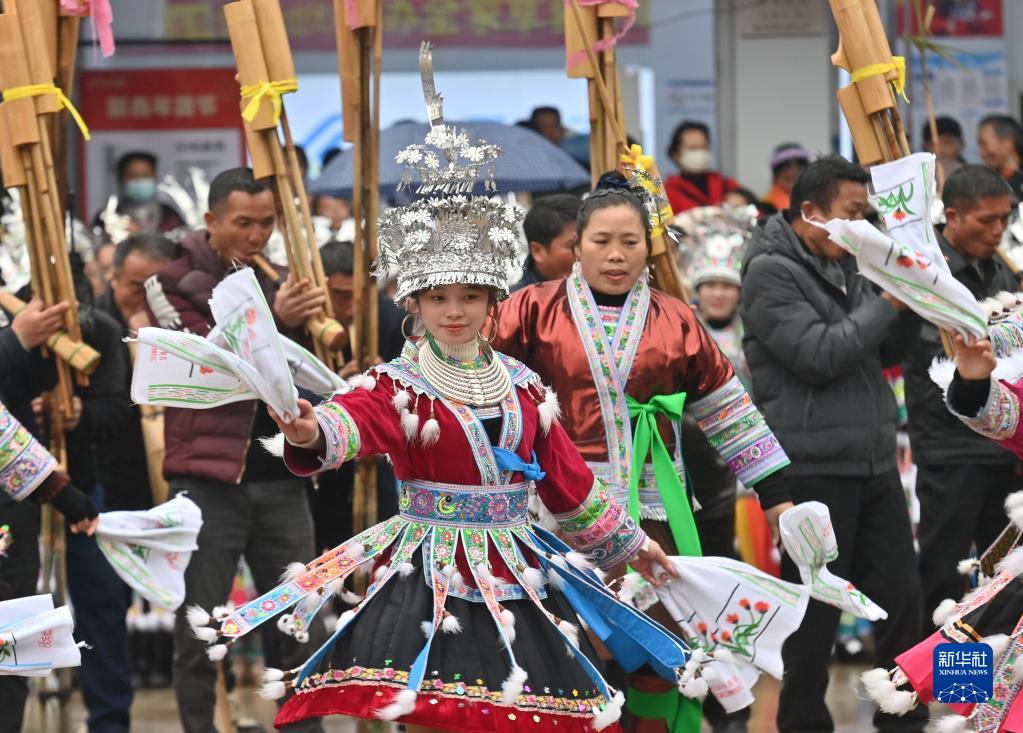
column 352, row 599
column 511, row 688
column 291, row 572
column 610, row 714
column 431, row 432
column 284, row 623
column 1016, row 517
column 205, row 633
column 1012, row 563
column 217, row 652
column 409, row 425
column 363, row 381
column 556, row 581
column 451, row 624
column 273, row 444
column 197, row 617
column 571, row 631
column 944, row 613
column 405, row 569
column 427, row 628
column 883, row 691
column 951, row 724
column 533, row 578
column 1014, row 501
column 273, row 690
column 220, row 613
column 696, row 688
column 403, row 704
column 380, row 572
column 968, row 566
column 271, row 674
column 302, row 637
column 549, row 410
column 579, row 560
column 356, row 552
column 343, row 620
column 401, row 400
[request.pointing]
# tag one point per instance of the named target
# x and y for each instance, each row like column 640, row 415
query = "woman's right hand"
column 302, row 430
column 974, row 359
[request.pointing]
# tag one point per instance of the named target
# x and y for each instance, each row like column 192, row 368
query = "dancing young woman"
column 625, row 358
column 471, row 620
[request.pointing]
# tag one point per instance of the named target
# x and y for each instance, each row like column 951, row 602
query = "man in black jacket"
column 816, row 339
column 963, row 478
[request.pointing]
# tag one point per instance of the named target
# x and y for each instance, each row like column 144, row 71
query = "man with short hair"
column 948, row 147
column 1000, row 139
column 962, row 477
column 550, row 229
column 817, row 337
column 252, row 506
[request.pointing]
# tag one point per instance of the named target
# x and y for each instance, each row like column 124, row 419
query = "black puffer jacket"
column 816, row 353
column 936, row 435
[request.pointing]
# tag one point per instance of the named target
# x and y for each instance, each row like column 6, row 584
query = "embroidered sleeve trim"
column 24, row 462
column 340, row 432
column 739, row 433
column 602, row 528
column 999, row 418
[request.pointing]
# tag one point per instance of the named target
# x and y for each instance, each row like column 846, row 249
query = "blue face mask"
column 139, row 190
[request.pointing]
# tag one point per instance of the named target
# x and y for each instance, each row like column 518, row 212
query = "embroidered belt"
column 460, row 505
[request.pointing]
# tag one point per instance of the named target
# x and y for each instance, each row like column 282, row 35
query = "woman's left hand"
column 650, row 556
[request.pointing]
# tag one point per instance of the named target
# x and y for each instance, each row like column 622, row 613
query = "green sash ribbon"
column 680, row 714
column 647, row 441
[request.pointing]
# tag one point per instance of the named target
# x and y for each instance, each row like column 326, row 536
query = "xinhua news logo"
column 963, row 673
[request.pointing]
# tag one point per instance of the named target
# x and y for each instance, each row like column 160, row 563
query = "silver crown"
column 449, row 237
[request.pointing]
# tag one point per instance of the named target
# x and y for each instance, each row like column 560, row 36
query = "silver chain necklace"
column 477, row 387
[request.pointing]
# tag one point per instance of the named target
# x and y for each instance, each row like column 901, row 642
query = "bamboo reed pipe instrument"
column 359, row 29
column 584, row 28
column 265, row 73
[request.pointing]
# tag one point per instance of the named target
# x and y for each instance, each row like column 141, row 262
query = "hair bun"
column 613, row 180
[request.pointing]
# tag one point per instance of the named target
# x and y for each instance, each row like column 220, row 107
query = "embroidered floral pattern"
column 24, row 462
column 738, row 431
column 341, row 434
column 453, row 505
column 999, row 419
column 601, row 527
column 565, row 702
column 610, row 364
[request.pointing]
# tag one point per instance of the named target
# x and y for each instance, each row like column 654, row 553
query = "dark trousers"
column 875, row 551
column 100, row 601
column 960, row 506
column 19, row 571
column 270, row 525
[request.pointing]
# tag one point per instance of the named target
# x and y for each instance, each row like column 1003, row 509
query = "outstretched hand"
column 302, row 430
column 652, row 555
column 974, row 358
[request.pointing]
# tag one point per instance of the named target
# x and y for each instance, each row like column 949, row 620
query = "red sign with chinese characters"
column 185, row 117
column 159, row 99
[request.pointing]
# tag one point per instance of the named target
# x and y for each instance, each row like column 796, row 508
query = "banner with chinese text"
column 185, row 118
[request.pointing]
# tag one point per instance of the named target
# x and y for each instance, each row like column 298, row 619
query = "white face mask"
column 818, row 221
column 696, row 160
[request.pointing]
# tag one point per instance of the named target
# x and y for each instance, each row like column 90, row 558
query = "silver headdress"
column 714, row 242
column 452, row 236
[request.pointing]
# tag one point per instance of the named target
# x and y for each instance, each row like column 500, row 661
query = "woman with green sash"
column 626, row 361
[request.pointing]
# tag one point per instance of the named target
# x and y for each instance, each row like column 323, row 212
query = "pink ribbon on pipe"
column 102, row 16
column 604, row 44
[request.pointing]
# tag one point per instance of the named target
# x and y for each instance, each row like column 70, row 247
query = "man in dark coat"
column 252, row 506
column 963, row 477
column 816, row 339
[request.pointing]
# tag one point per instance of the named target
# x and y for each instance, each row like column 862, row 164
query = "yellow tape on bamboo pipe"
column 272, row 90
column 898, row 64
column 38, row 90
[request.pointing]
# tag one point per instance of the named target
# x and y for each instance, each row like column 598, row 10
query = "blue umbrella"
column 530, row 162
